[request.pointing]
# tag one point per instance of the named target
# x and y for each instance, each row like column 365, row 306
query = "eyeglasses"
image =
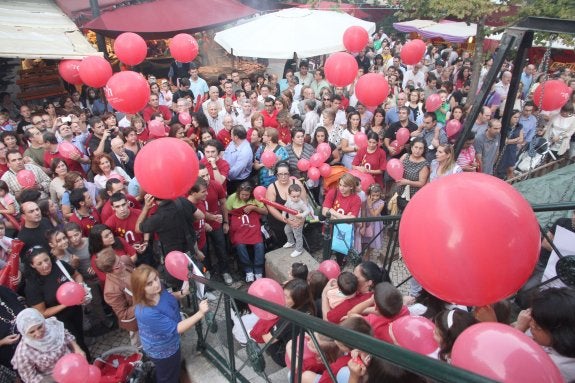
column 282, row 174
column 326, row 99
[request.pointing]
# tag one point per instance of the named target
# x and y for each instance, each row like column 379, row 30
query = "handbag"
column 342, row 238
column 87, row 289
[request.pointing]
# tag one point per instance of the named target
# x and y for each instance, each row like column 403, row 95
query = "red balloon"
column 340, row 69
column 185, row 118
column 316, row 160
column 412, row 52
column 95, row 71
column 325, row 170
column 366, row 180
column 184, row 47
column 271, row 291
column 303, row 164
column 502, row 353
column 402, row 136
column 94, row 374
column 313, row 173
column 127, row 91
column 67, row 149
column 70, row 294
column 414, row 333
column 130, row 48
column 355, row 38
column 260, row 192
column 157, row 129
column 372, row 89
column 177, row 265
column 452, row 128
column 329, row 268
column 166, row 168
column 394, row 144
column 433, row 102
column 324, row 149
column 71, row 368
column 26, row 178
column 360, row 139
column 69, row 71
column 395, row 169
column 555, row 94
column 478, row 221
column 269, row 159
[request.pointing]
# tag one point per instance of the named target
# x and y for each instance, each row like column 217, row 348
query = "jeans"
column 218, row 241
column 257, row 267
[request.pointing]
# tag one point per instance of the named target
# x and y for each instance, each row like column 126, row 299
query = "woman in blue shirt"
column 159, row 322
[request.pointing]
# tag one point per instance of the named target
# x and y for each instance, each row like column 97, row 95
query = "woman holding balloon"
column 371, row 159
column 321, row 136
column 267, row 156
column 297, row 150
column 349, row 147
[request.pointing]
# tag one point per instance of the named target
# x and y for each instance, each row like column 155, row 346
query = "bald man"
column 213, row 95
column 123, row 157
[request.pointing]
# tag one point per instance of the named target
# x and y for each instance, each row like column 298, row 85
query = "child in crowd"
column 8, row 204
column 5, row 123
column 441, row 113
column 5, row 245
column 371, row 232
column 295, row 235
column 347, row 284
column 298, row 270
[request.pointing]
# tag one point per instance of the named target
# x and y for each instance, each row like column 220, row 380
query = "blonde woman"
column 444, row 163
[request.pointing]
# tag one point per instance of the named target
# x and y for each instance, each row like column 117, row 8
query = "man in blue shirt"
column 527, row 79
column 240, row 157
column 198, row 85
column 528, row 121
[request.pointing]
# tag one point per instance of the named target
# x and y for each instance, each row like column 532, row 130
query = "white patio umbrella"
column 280, row 34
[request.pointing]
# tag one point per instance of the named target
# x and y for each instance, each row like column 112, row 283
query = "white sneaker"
column 249, row 277
column 296, row 253
column 259, row 276
column 227, row 279
column 288, row 245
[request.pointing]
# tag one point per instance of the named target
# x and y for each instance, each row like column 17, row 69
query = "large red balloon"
column 329, row 268
column 269, row 159
column 452, row 128
column 69, row 71
column 269, row 290
column 130, row 48
column 433, row 102
column 260, row 192
column 340, row 69
column 184, row 47
column 414, row 333
column 26, row 178
column 412, row 52
column 360, row 139
column 177, row 265
column 371, row 89
column 402, row 136
column 71, row 368
column 555, row 94
column 70, row 294
column 355, row 38
column 185, row 118
column 68, row 150
column 482, row 239
column 395, row 169
column 128, row 92
column 95, row 71
column 502, row 353
column 166, row 168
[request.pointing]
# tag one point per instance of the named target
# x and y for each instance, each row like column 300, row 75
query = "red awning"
column 165, row 18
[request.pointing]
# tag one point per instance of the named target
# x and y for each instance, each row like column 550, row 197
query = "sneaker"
column 259, row 276
column 210, row 296
column 296, row 253
column 227, row 279
column 249, row 277
column 288, row 244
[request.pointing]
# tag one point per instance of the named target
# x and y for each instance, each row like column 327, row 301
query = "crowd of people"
column 83, row 216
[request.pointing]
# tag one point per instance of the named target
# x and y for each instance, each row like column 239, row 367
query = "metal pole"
column 99, row 38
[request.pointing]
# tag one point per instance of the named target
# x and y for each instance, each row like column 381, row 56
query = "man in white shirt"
column 214, row 96
column 416, row 75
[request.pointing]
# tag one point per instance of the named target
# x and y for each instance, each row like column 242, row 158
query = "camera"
column 66, row 119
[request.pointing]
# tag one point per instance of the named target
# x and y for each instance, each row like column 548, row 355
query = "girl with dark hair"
column 102, row 237
column 449, row 324
column 377, row 124
column 415, row 174
column 321, row 135
column 371, row 159
column 348, row 146
column 51, row 211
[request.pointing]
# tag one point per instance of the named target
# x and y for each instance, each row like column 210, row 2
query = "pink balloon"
column 184, row 47
column 329, row 268
column 402, row 136
column 95, row 71
column 269, row 290
column 94, row 374
column 324, row 149
column 412, row 52
column 452, row 128
column 67, row 149
column 414, row 333
column 325, row 170
column 70, row 294
column 355, row 38
column 260, row 192
column 372, row 89
column 71, row 368
column 395, row 169
column 340, row 69
column 303, row 164
column 433, row 102
column 502, row 353
column 69, row 71
column 26, row 178
column 130, row 48
column 157, row 129
column 394, row 144
column 127, row 91
column 185, row 118
column 177, row 265
column 555, row 94
column 313, row 174
column 316, row 160
column 360, row 139
column 366, row 180
column 269, row 159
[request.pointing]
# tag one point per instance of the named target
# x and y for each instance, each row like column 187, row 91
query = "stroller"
column 124, row 365
column 533, row 155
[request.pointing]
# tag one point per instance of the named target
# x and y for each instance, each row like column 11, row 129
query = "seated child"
column 295, row 235
column 347, row 284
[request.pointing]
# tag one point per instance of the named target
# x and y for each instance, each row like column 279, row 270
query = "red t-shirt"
column 350, row 204
column 270, row 120
column 148, row 111
column 376, row 161
column 144, row 136
column 3, row 169
column 284, row 135
column 225, row 137
column 222, row 166
column 72, row 165
column 86, row 223
column 340, row 363
column 334, row 315
column 380, row 324
column 216, row 192
column 200, row 225
column 126, row 228
column 107, row 210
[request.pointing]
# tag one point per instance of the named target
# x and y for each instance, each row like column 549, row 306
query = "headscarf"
column 54, row 330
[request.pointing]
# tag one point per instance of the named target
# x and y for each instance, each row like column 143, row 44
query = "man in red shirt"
column 113, row 186
column 51, row 152
column 155, row 107
column 225, row 135
column 84, row 213
column 270, row 113
column 218, row 168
